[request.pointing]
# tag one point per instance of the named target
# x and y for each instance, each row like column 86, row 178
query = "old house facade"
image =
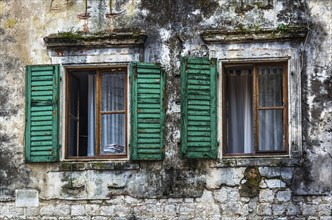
column 136, row 109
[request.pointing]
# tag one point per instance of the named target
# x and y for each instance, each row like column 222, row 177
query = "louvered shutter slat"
column 147, row 112
column 198, row 108
column 42, row 115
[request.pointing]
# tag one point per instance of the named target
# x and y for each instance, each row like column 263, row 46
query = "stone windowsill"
column 96, row 165
column 255, row 161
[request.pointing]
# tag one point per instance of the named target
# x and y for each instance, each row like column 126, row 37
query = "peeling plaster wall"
column 175, row 187
column 317, row 106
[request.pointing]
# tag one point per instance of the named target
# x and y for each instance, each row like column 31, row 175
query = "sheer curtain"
column 113, row 113
column 91, row 114
column 240, row 113
column 270, row 121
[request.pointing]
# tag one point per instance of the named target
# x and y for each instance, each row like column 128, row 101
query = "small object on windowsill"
column 116, row 186
column 113, row 14
column 113, row 148
column 84, row 16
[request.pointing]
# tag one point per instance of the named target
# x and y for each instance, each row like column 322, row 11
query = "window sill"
column 256, row 161
column 97, row 165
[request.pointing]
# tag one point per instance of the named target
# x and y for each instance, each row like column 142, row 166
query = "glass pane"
column 113, row 134
column 270, row 86
column 240, row 131
column 72, row 142
column 270, row 130
column 113, row 91
column 73, row 94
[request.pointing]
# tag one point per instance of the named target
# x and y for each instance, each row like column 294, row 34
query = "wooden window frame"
column 256, row 108
column 98, row 72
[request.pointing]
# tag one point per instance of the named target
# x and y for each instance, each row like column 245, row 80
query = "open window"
column 255, row 108
column 96, row 113
column 96, row 116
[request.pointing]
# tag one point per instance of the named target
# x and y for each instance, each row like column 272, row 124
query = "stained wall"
column 295, row 187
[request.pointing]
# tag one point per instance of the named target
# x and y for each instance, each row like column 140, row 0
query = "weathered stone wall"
column 175, row 188
column 224, row 203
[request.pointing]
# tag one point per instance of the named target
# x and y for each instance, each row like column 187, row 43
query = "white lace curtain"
column 112, row 124
column 270, row 121
column 240, row 112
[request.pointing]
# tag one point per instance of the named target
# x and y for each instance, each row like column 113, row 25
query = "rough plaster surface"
column 175, row 188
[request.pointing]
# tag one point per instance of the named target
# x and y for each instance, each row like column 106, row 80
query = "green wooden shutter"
column 42, row 113
column 147, row 111
column 198, row 108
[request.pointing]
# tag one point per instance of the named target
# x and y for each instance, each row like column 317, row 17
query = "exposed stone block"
column 232, row 208
column 264, row 209
column 131, row 200
column 283, row 196
column 77, row 210
column 308, row 210
column 279, row 209
column 273, row 183
column 121, row 210
column 32, row 211
column 92, row 209
column 116, row 200
column 10, row 211
column 233, row 194
column 170, row 209
column 325, row 209
column 266, row 195
column 188, row 200
column 206, row 197
column 55, row 210
column 154, row 208
column 293, row 209
column 107, row 210
column 313, row 218
column 221, row 195
column 175, row 200
column 49, row 218
column 35, row 218
column 80, row 218
column 232, row 218
column 187, row 210
column 99, row 218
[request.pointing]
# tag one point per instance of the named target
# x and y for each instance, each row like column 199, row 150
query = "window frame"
column 99, row 70
column 255, row 65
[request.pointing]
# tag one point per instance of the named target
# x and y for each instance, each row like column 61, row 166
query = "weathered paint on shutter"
column 198, row 108
column 42, row 113
column 147, row 111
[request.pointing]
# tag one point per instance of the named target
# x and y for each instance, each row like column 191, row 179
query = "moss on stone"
column 9, row 24
column 69, row 35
